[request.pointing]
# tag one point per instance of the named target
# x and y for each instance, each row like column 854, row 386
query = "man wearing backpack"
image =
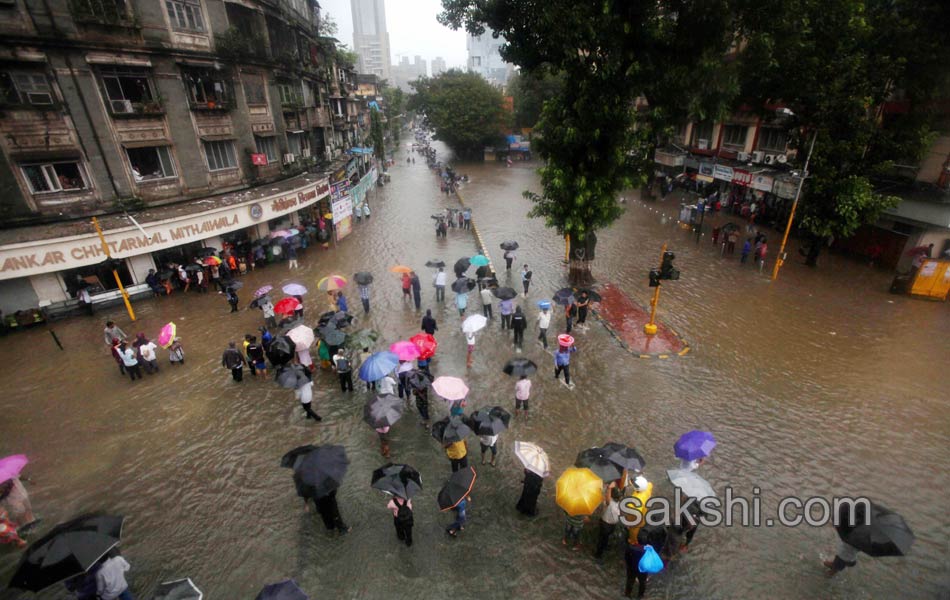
column 343, row 368
column 402, row 518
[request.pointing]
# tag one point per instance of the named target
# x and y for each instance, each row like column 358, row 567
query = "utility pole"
column 780, row 257
column 650, row 328
column 115, row 273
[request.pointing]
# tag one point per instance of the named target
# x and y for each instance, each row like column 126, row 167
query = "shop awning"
column 357, row 150
column 295, row 131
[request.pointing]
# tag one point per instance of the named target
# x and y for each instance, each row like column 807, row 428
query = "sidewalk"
column 624, row 319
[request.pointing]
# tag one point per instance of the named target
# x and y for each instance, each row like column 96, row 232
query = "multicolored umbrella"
column 302, row 337
column 287, row 307
column 400, row 269
column 579, row 491
column 534, row 458
column 694, row 445
column 11, row 466
column 450, row 388
column 383, row 411
column 397, row 479
column 331, row 283
column 474, row 323
column 405, row 350
column 457, row 488
column 479, row 260
column 378, row 365
column 167, row 335
column 263, row 290
column 211, row 261
column 426, row 343
column 294, row 289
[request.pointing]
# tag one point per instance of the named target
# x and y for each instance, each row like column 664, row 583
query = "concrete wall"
column 17, row 294
column 49, row 287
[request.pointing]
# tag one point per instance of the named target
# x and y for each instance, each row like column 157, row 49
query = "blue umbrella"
column 544, row 304
column 284, row 590
column 694, row 445
column 480, row 260
column 378, row 365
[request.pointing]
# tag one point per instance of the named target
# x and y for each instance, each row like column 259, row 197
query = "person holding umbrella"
column 406, row 285
column 487, row 299
column 583, row 304
column 609, row 518
column 509, row 258
column 232, row 359
column 868, row 527
column 460, row 517
column 522, row 394
column 303, row 391
column 363, row 279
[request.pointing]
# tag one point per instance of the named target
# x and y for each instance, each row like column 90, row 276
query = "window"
column 26, row 87
column 207, row 88
column 702, row 135
column 773, row 139
column 185, row 14
column 150, row 163
column 268, row 147
column 128, row 90
column 735, row 135
column 220, row 155
column 476, row 61
column 298, row 144
column 110, row 12
column 290, row 94
column 54, row 177
column 254, row 91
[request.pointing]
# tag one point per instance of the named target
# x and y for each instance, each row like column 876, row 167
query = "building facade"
column 484, row 58
column 199, row 118
column 370, row 37
column 406, row 72
column 438, row 66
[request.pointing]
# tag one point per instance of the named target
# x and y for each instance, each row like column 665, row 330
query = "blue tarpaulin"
column 357, row 150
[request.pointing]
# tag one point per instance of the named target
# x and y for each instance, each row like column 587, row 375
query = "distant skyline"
column 413, row 30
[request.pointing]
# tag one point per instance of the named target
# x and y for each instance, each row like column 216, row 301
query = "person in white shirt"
column 470, row 340
column 522, row 393
column 487, row 299
column 544, row 321
column 147, row 350
column 130, row 361
column 110, row 580
column 438, row 280
column 489, row 442
column 386, row 385
column 608, row 521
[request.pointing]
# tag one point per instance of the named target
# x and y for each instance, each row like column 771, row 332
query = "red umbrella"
column 426, row 344
column 287, row 306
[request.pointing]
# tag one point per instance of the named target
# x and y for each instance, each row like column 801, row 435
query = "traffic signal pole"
column 115, row 273
column 650, row 328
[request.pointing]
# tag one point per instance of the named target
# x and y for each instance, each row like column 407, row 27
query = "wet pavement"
column 819, row 384
column 625, row 320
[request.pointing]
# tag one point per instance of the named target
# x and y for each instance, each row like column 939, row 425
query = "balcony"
column 102, row 12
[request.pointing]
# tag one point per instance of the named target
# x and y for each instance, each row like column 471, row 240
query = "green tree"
column 395, row 102
column 376, row 134
column 835, row 63
column 596, row 137
column 529, row 91
column 463, row 109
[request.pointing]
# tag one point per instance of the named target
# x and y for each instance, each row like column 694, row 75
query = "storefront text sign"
column 762, row 183
column 740, row 177
column 722, row 172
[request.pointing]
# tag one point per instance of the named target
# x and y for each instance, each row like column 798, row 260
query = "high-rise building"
column 406, row 71
column 484, row 57
column 438, row 66
column 370, row 38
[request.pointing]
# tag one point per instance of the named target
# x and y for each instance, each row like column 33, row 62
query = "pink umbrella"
column 405, row 350
column 302, row 337
column 263, row 290
column 167, row 335
column 450, row 388
column 11, row 466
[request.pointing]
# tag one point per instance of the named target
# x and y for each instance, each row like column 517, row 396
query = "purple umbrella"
column 11, row 466
column 694, row 445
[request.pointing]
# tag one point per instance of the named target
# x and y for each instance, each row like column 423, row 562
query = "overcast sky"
column 412, row 30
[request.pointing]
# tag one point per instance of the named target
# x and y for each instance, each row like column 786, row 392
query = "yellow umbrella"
column 401, row 269
column 331, row 283
column 579, row 491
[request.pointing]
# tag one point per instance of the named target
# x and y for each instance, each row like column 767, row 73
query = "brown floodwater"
column 820, row 384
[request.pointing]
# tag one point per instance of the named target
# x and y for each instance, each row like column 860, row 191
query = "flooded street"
column 820, row 384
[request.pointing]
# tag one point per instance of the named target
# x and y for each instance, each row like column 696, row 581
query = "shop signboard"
column 669, row 159
column 722, row 172
column 786, row 187
column 705, row 172
column 259, row 160
column 341, row 205
column 762, row 182
column 740, row 177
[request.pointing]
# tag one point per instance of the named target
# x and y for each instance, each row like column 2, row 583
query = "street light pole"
column 780, row 258
column 115, row 273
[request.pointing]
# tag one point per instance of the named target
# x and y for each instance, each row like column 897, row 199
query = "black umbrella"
column 450, row 430
column 624, row 456
column 419, row 379
column 399, row 480
column 509, row 245
column 283, row 590
column 505, row 293
column 69, row 549
column 322, row 469
column 463, row 285
column 728, row 227
column 462, row 265
column 234, row 285
column 654, row 535
column 457, row 488
column 165, row 275
column 383, row 411
column 596, row 460
column 564, row 296
column 287, row 377
column 363, row 278
column 205, row 252
column 194, row 267
column 281, row 350
column 591, row 294
column 520, row 366
column 435, row 263
column 296, row 456
column 884, row 533
column 489, row 421
column 331, row 335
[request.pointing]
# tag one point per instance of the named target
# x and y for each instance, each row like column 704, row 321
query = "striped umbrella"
column 331, row 283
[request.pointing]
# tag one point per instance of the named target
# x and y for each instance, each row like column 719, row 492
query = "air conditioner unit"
column 121, row 106
column 702, row 144
column 305, row 152
column 758, row 156
column 289, row 158
column 781, row 158
column 769, row 159
column 39, row 98
column 742, row 156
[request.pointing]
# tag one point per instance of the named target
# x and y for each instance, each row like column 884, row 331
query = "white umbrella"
column 474, row 323
column 691, row 484
column 533, row 458
column 181, row 589
column 302, row 336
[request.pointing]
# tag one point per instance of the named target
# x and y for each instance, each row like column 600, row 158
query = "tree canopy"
column 463, row 109
column 529, row 91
